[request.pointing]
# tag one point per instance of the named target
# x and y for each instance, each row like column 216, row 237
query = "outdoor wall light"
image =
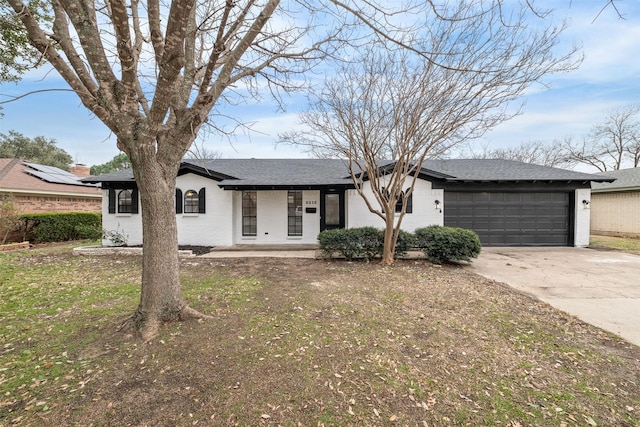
column 585, row 203
column 437, row 202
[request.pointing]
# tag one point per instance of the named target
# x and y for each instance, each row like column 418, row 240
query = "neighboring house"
column 615, row 206
column 38, row 188
column 226, row 202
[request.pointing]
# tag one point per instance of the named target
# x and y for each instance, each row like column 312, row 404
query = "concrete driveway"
column 599, row 287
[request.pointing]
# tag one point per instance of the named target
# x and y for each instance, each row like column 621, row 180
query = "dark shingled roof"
column 504, row 170
column 235, row 173
column 625, row 180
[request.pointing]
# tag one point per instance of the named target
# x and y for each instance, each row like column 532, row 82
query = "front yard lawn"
column 299, row 342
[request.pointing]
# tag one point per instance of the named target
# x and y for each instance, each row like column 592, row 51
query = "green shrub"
column 341, row 241
column 445, row 244
column 58, row 227
column 363, row 242
column 90, row 232
column 370, row 241
column 406, row 241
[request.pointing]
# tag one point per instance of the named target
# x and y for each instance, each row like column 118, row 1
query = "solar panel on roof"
column 54, row 175
column 45, row 168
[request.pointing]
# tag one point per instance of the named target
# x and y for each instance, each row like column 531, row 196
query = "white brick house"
column 226, row 202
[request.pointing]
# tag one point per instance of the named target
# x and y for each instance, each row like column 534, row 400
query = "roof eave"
column 268, row 187
column 615, row 190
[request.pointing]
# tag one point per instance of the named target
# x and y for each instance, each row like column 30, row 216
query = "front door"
column 331, row 209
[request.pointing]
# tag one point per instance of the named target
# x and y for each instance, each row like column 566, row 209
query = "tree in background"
column 118, row 163
column 199, row 152
column 612, row 144
column 534, row 152
column 399, row 105
column 37, row 150
column 16, row 54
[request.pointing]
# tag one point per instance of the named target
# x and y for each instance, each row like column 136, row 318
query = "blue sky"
column 569, row 105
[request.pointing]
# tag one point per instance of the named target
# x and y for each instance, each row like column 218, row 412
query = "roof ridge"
column 8, row 168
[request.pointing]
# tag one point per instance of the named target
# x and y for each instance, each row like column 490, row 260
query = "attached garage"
column 533, row 218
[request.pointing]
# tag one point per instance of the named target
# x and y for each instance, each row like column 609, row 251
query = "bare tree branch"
column 611, row 144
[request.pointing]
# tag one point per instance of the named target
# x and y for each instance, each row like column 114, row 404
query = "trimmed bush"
column 342, row 241
column 370, row 241
column 364, row 242
column 445, row 244
column 59, row 227
column 406, row 241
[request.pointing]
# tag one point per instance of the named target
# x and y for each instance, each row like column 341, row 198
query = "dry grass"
column 625, row 244
column 301, row 342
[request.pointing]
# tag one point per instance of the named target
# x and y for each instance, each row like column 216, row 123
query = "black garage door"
column 512, row 219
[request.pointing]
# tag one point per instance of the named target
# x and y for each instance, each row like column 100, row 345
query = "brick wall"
column 616, row 213
column 46, row 204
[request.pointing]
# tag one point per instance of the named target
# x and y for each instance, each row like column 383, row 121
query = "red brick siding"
column 46, row 204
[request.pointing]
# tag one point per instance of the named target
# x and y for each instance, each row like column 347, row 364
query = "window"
column 125, row 201
column 249, row 213
column 409, row 202
column 398, row 208
column 294, row 213
column 191, row 203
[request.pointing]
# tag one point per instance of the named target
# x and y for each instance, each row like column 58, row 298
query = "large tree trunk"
column 161, row 297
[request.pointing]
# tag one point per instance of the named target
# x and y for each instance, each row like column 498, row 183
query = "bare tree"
column 198, row 151
column 611, row 144
column 155, row 72
column 405, row 107
column 534, row 152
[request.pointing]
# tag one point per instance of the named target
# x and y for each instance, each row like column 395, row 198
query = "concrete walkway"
column 599, row 287
column 266, row 251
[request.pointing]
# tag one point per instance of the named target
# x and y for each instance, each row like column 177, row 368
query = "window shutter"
column 112, row 201
column 178, row 201
column 201, row 201
column 134, row 201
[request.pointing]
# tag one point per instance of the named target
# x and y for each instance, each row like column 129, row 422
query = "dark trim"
column 112, row 201
column 423, row 173
column 186, row 168
column 510, row 186
column 572, row 219
column 178, row 201
column 236, row 187
column 120, row 185
column 134, row 201
column 409, row 208
column 341, row 220
column 202, row 200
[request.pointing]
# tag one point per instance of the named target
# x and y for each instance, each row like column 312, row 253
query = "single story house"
column 36, row 188
column 615, row 206
column 226, row 202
